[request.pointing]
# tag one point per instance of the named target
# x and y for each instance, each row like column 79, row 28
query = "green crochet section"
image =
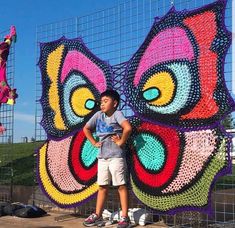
column 195, row 196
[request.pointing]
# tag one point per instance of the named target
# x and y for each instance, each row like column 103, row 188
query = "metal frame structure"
column 6, row 139
column 114, row 35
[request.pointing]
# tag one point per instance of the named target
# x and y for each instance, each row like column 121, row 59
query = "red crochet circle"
column 79, row 170
column 171, row 140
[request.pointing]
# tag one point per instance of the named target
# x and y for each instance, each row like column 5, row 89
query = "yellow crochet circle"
column 79, row 99
column 164, row 82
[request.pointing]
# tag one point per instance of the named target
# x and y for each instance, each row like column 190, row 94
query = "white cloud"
column 24, row 117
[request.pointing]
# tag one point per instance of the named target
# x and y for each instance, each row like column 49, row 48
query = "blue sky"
column 26, row 15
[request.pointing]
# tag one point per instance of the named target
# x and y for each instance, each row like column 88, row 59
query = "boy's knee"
column 122, row 187
column 103, row 188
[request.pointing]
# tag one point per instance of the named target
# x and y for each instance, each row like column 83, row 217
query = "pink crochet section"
column 12, row 33
column 169, row 44
column 77, row 61
column 2, row 129
column 57, row 158
column 199, row 147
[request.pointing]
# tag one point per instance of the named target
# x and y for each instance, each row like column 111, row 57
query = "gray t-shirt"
column 105, row 127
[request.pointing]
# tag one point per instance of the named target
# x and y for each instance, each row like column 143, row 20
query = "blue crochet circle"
column 90, row 104
column 151, row 94
column 150, row 151
column 88, row 154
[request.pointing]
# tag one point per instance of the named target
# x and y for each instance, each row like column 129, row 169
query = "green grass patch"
column 227, row 181
column 20, row 156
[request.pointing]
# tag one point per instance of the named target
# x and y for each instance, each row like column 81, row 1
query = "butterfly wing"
column 175, row 85
column 72, row 80
column 67, row 170
column 172, row 170
column 176, row 77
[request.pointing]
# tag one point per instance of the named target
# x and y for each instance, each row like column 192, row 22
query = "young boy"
column 113, row 130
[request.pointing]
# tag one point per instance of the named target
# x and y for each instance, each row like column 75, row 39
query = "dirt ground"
column 54, row 220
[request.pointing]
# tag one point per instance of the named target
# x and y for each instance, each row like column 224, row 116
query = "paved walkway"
column 53, row 220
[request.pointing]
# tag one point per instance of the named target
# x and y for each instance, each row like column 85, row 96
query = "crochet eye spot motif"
column 159, row 89
column 83, row 101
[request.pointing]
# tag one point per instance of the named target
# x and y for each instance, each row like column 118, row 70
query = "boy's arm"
column 125, row 134
column 90, row 137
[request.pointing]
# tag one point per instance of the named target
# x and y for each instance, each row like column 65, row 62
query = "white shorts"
column 111, row 169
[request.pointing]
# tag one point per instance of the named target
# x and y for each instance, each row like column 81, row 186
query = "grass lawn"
column 23, row 162
column 227, row 181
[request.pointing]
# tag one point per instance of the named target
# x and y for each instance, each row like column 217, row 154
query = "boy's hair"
column 111, row 93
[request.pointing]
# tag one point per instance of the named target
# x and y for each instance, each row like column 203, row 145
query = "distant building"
column 24, row 139
column 9, row 140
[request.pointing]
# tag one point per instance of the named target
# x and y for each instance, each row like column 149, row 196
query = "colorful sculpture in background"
column 7, row 95
column 175, row 85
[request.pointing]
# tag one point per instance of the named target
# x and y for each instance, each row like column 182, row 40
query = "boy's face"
column 108, row 104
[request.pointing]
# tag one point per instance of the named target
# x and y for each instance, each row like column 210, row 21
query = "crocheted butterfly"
column 174, row 84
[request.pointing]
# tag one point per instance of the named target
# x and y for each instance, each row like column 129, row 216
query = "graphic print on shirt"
column 103, row 128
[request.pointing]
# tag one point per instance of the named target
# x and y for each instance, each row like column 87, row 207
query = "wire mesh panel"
column 6, row 139
column 114, row 35
column 47, row 33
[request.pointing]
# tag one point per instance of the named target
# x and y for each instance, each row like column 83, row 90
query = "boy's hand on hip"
column 98, row 144
column 116, row 139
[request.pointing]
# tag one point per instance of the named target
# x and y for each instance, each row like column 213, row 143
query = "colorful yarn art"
column 175, row 85
column 71, row 73
column 73, row 79
column 7, row 95
column 172, row 169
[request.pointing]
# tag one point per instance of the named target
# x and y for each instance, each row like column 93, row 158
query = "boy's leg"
column 123, row 194
column 118, row 171
column 103, row 181
column 101, row 197
column 96, row 218
column 124, row 222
